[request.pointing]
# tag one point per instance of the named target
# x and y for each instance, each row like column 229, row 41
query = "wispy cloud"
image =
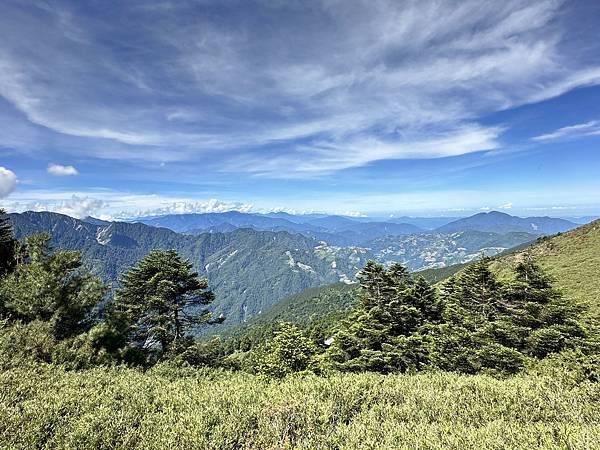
column 591, row 128
column 262, row 86
column 62, row 171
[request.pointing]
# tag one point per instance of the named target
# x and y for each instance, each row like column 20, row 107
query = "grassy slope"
column 123, row 408
column 572, row 258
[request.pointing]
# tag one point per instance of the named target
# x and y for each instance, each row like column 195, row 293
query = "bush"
column 35, row 342
column 289, row 351
column 186, row 408
column 544, row 341
column 497, row 359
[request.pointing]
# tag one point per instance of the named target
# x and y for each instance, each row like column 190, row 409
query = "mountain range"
column 335, row 230
column 251, row 269
column 570, row 258
column 355, row 231
column 248, row 270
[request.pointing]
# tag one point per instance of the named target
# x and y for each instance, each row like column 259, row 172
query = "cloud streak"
column 259, row 86
column 591, row 128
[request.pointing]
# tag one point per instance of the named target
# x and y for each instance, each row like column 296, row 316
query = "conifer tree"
column 8, row 245
column 550, row 320
column 51, row 287
column 478, row 292
column 290, row 350
column 381, row 333
column 162, row 298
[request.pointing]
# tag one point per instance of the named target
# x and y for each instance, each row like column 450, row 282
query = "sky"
column 375, row 107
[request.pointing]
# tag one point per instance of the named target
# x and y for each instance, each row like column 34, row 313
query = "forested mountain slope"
column 248, row 270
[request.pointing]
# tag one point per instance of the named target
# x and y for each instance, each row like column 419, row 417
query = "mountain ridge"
column 500, row 222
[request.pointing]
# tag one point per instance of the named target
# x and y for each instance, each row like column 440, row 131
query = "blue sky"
column 360, row 107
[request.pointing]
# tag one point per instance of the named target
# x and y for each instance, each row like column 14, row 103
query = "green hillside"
column 571, row 258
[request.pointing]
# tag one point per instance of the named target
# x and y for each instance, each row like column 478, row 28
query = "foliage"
column 162, row 298
column 8, row 246
column 52, row 287
column 167, row 407
column 287, row 352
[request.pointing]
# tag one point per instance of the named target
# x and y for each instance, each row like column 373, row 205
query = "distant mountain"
column 184, row 223
column 498, row 222
column 426, row 223
column 249, row 270
column 335, row 230
column 435, row 250
column 582, row 220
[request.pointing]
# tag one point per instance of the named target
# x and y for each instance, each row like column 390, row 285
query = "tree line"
column 53, row 310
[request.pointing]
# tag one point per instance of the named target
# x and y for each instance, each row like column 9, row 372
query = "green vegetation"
column 572, row 259
column 47, row 407
column 480, row 361
column 161, row 299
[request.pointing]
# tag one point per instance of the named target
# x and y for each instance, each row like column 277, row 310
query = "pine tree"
column 8, row 245
column 51, row 287
column 536, row 306
column 162, row 298
column 381, row 334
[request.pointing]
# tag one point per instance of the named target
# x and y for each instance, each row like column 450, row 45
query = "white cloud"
column 194, row 207
column 76, row 206
column 62, row 171
column 357, row 85
column 108, row 204
column 508, row 205
column 326, row 156
column 8, row 182
column 591, row 128
column 353, row 214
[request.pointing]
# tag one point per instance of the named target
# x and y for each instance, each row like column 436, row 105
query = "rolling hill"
column 571, row 258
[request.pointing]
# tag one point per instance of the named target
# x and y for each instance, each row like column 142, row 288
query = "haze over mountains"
column 342, row 230
column 253, row 260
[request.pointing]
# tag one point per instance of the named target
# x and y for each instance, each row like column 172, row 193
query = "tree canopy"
column 162, row 298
